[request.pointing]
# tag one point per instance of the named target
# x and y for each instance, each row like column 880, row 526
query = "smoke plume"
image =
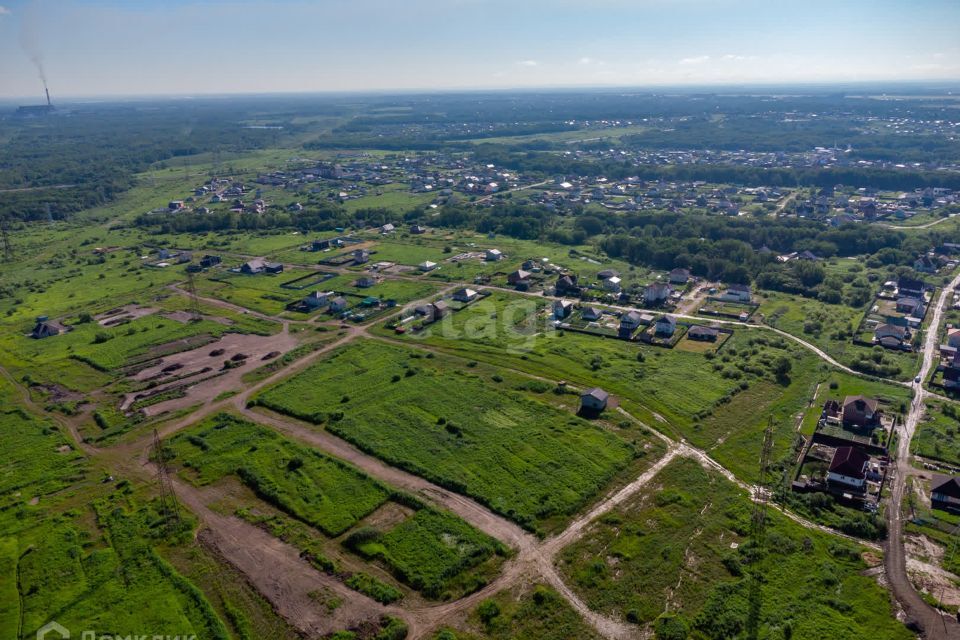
column 30, row 39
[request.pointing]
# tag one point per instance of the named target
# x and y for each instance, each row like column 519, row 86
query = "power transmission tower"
column 5, row 241
column 195, row 315
column 758, row 530
column 168, row 499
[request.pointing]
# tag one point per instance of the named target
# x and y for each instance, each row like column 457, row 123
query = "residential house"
column 338, row 304
column 252, row 267
column 517, row 277
column 737, row 293
column 612, row 284
column 594, row 400
column 567, row 285
column 320, row 245
column 848, row 470
column 427, row 265
column 417, row 229
column 890, row 336
column 665, row 326
column 925, row 264
column 387, row 228
column 45, row 328
column 562, row 308
column 704, row 334
column 910, row 306
column 365, row 282
column 679, row 276
column 361, row 256
column 440, row 309
column 607, row 273
column 630, row 322
column 273, row 267
column 208, row 261
column 465, row 295
column 953, row 338
column 657, row 292
column 909, row 287
column 493, row 255
column 945, row 493
column 317, row 299
column 591, row 314
column 860, row 412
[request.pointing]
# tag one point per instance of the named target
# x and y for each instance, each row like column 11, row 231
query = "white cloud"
column 738, row 58
column 529, row 63
column 586, row 60
column 695, row 60
column 4, row 11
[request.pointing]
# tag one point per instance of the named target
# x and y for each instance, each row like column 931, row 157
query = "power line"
column 169, row 508
column 758, row 530
column 5, row 241
column 195, row 315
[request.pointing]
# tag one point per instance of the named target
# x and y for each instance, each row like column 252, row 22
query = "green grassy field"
column 320, row 490
column 831, row 327
column 707, row 398
column 432, row 551
column 531, row 613
column 938, row 434
column 682, row 546
column 520, row 456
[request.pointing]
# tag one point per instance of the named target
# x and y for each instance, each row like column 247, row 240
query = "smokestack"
column 49, row 104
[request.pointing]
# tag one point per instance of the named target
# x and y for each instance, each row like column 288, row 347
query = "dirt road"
column 935, row 625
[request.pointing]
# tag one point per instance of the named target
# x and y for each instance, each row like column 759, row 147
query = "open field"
column 703, row 397
column 491, row 440
column 938, row 434
column 430, row 550
column 682, row 546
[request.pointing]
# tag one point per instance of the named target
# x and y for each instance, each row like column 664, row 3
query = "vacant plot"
column 427, row 550
column 318, row 489
column 529, row 613
column 432, row 551
column 704, row 397
column 938, row 435
column 682, row 546
column 521, row 457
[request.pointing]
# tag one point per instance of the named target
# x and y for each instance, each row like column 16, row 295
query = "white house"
column 427, row 266
column 494, row 255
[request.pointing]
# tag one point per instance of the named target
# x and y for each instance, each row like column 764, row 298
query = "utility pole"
column 758, row 530
column 195, row 315
column 168, row 499
column 5, row 241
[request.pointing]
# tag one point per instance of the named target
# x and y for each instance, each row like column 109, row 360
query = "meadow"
column 938, row 433
column 832, row 328
column 531, row 613
column 519, row 456
column 432, row 551
column 682, row 546
column 720, row 401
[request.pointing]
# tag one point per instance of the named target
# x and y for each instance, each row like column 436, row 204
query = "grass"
column 683, row 546
column 832, row 327
column 428, row 549
column 309, row 485
column 705, row 398
column 432, row 551
column 519, row 456
column 938, row 434
column 537, row 613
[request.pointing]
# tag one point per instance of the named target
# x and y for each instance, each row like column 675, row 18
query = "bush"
column 488, row 610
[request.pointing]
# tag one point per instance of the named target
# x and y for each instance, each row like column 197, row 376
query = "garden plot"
column 123, row 314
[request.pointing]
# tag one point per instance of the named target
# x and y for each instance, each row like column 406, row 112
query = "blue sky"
column 217, row 46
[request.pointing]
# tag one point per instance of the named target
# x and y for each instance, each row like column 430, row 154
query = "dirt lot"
column 123, row 314
column 207, row 386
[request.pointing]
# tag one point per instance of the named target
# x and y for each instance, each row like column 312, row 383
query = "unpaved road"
column 935, row 625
